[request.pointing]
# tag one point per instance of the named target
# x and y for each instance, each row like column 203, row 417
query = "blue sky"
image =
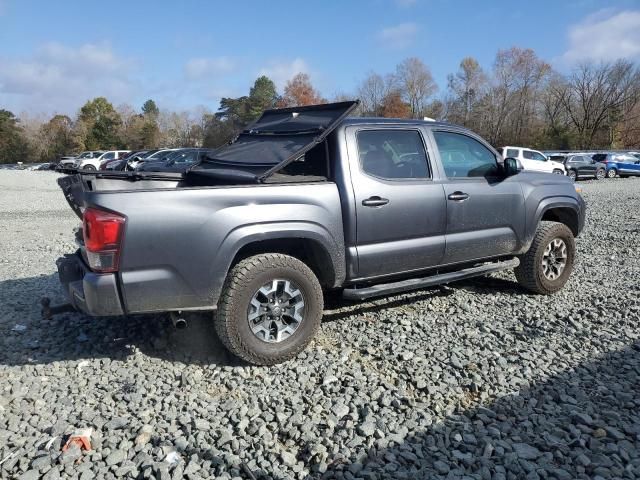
column 56, row 55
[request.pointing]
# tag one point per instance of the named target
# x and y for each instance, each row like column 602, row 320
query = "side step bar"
column 430, row 281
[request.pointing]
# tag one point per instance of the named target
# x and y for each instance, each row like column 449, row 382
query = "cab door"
column 400, row 210
column 485, row 211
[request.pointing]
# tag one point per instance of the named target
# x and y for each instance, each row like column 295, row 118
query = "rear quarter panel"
column 178, row 244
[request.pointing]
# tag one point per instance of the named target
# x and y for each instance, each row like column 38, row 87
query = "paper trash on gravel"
column 81, row 438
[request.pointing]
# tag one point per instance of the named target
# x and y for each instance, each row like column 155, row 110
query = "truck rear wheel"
column 269, row 309
column 546, row 267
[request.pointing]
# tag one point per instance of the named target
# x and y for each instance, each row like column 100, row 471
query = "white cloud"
column 61, row 78
column 198, row 68
column 398, row 36
column 281, row 71
column 605, row 36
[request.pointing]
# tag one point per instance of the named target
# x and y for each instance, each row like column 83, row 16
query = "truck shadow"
column 585, row 419
column 578, row 423
column 29, row 339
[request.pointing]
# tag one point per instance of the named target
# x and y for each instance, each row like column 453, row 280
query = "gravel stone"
column 526, row 452
column 478, row 380
column 116, row 457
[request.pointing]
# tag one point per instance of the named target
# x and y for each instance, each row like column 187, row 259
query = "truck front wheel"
column 546, row 267
column 269, row 309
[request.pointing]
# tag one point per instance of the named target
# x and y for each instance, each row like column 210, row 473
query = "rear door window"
column 393, row 154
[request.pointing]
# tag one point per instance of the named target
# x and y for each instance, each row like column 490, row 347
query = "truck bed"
column 179, row 240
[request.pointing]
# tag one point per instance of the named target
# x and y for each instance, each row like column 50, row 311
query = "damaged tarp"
column 277, row 138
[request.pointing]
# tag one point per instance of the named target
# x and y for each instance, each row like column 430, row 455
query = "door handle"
column 458, row 196
column 375, row 201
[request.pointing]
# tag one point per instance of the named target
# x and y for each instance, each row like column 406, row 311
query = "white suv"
column 532, row 160
column 94, row 163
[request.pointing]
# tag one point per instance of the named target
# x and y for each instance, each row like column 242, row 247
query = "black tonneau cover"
column 276, row 139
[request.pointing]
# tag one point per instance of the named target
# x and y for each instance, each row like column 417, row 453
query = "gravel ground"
column 481, row 380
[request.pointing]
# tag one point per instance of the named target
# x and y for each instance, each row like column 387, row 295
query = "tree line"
column 519, row 100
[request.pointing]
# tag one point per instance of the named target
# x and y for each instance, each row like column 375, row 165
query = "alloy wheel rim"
column 276, row 311
column 600, row 174
column 611, row 173
column 554, row 259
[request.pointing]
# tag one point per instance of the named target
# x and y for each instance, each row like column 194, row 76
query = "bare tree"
column 414, row 80
column 594, row 96
column 372, row 91
column 466, row 86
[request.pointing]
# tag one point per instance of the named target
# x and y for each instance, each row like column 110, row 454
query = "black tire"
column 572, row 174
column 611, row 173
column 601, row 174
column 89, row 168
column 242, row 283
column 530, row 272
column 557, row 171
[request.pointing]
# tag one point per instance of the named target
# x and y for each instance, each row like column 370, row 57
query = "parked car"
column 532, row 160
column 308, row 200
column 38, row 167
column 152, row 155
column 177, row 161
column 582, row 165
column 94, row 163
column 118, row 163
column 622, row 164
column 67, row 164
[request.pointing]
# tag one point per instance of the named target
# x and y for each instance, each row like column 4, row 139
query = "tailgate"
column 73, row 190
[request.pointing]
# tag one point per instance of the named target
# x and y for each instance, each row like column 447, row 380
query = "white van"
column 94, row 163
column 532, row 160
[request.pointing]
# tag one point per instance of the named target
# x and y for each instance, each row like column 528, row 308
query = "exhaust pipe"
column 178, row 321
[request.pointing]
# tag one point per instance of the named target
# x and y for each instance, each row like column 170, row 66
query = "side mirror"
column 511, row 166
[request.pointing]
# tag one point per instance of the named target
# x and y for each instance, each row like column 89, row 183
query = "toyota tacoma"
column 308, row 200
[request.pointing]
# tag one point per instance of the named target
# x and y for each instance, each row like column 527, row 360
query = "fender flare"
column 547, row 204
column 244, row 235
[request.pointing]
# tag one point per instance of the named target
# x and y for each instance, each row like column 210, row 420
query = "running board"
column 433, row 280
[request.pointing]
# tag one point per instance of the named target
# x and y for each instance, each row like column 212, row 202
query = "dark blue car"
column 619, row 164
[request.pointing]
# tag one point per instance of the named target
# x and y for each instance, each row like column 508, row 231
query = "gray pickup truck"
column 307, row 200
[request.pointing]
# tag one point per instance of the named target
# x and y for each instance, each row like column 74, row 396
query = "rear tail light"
column 102, row 232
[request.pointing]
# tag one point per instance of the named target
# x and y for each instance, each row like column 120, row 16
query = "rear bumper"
column 95, row 294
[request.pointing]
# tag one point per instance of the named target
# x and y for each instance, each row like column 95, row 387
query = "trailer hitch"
column 48, row 311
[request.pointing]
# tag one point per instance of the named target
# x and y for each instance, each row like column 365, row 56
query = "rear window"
column 512, row 152
column 599, row 157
